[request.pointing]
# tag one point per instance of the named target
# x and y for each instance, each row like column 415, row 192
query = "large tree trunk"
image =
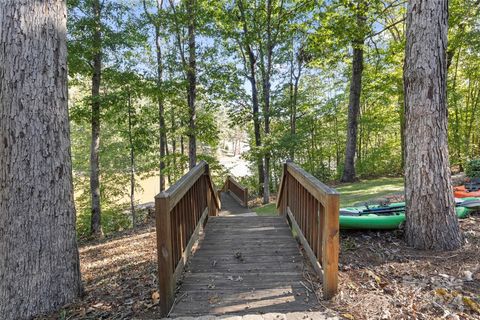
column 353, row 109
column 39, row 263
column 430, row 207
column 192, row 81
column 96, row 223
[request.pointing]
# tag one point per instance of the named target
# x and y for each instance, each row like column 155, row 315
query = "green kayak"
column 391, row 216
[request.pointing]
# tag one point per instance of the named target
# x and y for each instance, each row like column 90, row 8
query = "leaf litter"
column 379, row 278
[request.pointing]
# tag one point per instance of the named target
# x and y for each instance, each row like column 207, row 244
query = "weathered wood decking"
column 243, row 264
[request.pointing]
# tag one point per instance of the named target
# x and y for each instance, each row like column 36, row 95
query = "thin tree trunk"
column 294, row 80
column 96, row 224
column 161, row 108
column 192, row 81
column 266, row 67
column 252, row 60
column 431, row 222
column 456, row 112
column 39, row 262
column 354, row 106
column 401, row 112
column 132, row 162
column 256, row 122
column 295, row 102
column 174, row 150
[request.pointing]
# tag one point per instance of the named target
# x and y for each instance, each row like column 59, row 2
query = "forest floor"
column 380, row 278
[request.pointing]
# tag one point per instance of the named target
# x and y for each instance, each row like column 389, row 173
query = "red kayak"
column 465, row 192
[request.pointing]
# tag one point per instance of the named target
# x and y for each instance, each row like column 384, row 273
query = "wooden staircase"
column 232, row 262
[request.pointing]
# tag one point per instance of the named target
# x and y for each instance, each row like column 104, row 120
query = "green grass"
column 362, row 191
column 352, row 193
column 266, row 210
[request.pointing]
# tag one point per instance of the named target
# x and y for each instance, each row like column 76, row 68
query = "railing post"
column 164, row 253
column 245, row 200
column 330, row 246
column 284, row 203
column 212, row 208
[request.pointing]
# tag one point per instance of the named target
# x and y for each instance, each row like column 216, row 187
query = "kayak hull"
column 462, row 192
column 382, row 222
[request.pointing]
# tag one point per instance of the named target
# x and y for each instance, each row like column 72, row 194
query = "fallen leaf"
column 156, row 297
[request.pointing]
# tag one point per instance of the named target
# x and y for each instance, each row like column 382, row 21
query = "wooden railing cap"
column 162, row 195
column 326, row 189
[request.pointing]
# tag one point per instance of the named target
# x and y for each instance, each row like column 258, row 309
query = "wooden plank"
column 200, row 278
column 237, row 268
column 188, row 250
column 270, row 268
column 164, row 254
column 311, row 256
column 231, row 259
column 290, row 303
column 330, row 247
column 252, row 251
column 253, row 241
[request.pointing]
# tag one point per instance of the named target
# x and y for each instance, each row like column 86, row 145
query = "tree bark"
column 192, row 82
column 294, row 80
column 132, row 162
column 354, row 107
column 155, row 22
column 252, row 60
column 96, row 224
column 431, row 222
column 266, row 68
column 161, row 109
column 39, row 263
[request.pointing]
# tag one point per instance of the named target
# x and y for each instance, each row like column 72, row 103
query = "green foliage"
column 312, row 45
column 114, row 219
column 472, row 169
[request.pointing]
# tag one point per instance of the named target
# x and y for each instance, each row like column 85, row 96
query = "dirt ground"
column 380, row 278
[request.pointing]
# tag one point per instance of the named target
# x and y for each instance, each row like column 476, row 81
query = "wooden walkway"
column 243, row 265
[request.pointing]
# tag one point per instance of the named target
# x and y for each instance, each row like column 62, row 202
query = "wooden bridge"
column 243, row 263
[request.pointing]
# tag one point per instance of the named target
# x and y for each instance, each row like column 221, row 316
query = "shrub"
column 472, row 169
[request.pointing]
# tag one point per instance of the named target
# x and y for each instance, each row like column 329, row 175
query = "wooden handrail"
column 236, row 190
column 181, row 211
column 313, row 211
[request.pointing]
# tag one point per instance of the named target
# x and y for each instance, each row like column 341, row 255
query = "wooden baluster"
column 312, row 221
column 316, row 223
column 164, row 253
column 321, row 230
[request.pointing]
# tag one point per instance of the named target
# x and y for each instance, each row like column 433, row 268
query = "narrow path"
column 230, row 206
column 244, row 265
